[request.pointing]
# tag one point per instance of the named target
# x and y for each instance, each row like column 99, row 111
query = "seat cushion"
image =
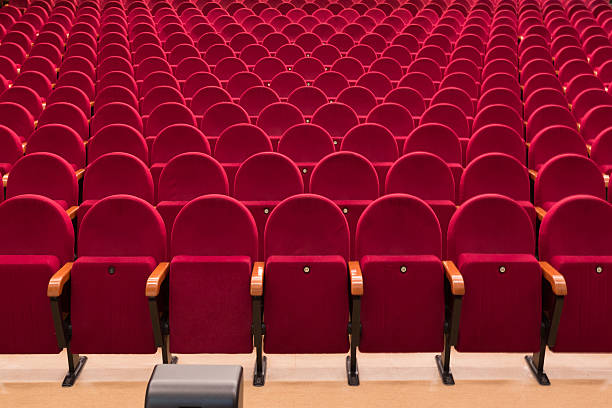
column 110, row 312
column 501, row 312
column 402, row 311
column 210, row 304
column 585, row 320
column 28, row 323
column 306, row 312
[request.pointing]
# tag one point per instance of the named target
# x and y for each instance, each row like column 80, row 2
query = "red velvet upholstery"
column 427, row 177
column 116, row 112
column 118, row 138
column 502, row 308
column 167, row 114
column 553, row 141
column 66, row 114
column 497, row 173
column 306, row 312
column 185, row 177
column 121, row 240
column 496, row 138
column 44, row 174
column 396, row 231
column 10, row 149
column 41, row 241
column 574, row 238
column 348, row 179
column 236, row 144
column 374, row 142
column 214, row 242
column 115, row 173
column 172, row 141
column 566, row 175
column 16, row 118
column 306, row 144
column 440, row 140
column 262, row 181
column 61, row 140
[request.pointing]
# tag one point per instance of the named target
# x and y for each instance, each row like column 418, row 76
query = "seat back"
column 121, row 240
column 566, row 175
column 45, row 174
column 398, row 245
column 495, row 173
column 61, row 140
column 491, row 240
column 40, row 239
column 306, row 244
column 262, row 181
column 214, row 243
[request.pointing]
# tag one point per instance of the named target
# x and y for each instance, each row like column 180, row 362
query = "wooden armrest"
column 556, row 280
column 533, row 174
column 58, row 280
column 79, row 173
column 540, row 212
column 5, row 180
column 589, row 147
column 454, row 278
column 156, row 279
column 356, row 278
column 606, row 179
column 72, row 211
column 257, row 279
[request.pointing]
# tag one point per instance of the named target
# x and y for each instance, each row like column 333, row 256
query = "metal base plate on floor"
column 541, row 378
column 72, row 377
column 260, row 380
column 447, row 378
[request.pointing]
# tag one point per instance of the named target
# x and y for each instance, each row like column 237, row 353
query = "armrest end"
column 58, row 280
column 257, row 277
column 540, row 212
column 556, row 280
column 72, row 211
column 356, row 278
column 156, row 279
column 454, row 278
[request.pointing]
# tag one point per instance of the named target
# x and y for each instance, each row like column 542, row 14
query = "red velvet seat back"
column 118, row 138
column 262, row 181
column 61, row 140
column 495, row 173
column 348, row 179
column 307, row 249
column 117, row 173
column 566, row 175
column 121, row 240
column 214, row 243
column 399, row 245
column 374, row 142
column 45, row 174
column 574, row 238
column 40, row 239
column 491, row 240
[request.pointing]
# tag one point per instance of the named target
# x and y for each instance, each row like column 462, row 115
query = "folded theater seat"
column 40, row 250
column 121, row 245
column 507, row 295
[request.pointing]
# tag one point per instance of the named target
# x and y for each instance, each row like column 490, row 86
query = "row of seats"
column 396, row 285
column 266, row 178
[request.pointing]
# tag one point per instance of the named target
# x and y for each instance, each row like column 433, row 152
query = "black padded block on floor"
column 195, row 386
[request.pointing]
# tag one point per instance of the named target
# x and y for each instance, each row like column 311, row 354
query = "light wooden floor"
column 483, row 380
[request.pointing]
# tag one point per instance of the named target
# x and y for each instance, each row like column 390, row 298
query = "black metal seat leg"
column 75, row 366
column 352, row 371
